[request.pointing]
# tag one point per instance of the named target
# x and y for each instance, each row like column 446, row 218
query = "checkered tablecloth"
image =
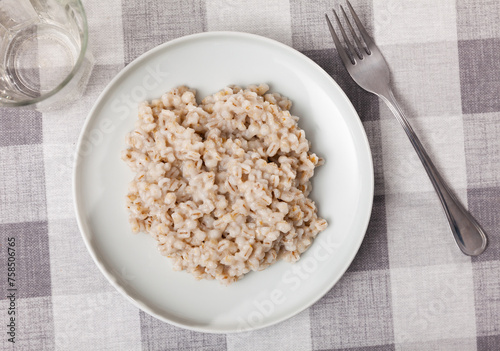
column 409, row 288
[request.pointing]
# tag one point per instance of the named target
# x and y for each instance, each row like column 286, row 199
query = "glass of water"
column 44, row 61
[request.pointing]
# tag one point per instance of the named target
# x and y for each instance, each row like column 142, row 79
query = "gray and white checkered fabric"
column 409, row 287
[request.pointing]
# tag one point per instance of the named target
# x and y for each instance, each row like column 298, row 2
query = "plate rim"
column 91, row 116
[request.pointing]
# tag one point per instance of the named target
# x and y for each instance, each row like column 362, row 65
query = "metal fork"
column 370, row 71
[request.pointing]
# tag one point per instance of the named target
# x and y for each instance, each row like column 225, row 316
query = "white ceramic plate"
column 343, row 187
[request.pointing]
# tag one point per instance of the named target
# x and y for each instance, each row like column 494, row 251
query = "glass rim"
column 69, row 77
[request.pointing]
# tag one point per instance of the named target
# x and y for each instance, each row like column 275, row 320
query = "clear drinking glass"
column 44, row 61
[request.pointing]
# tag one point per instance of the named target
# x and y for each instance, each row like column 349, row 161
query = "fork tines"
column 349, row 55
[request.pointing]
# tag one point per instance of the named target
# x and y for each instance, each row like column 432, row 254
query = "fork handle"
column 469, row 236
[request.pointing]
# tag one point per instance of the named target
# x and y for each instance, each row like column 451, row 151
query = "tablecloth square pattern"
column 149, row 23
column 104, row 320
column 20, row 129
column 61, row 129
column 488, row 343
column 291, row 335
column 388, row 347
column 157, row 335
column 356, row 313
column 419, row 21
column 456, row 344
column 73, row 270
column 433, row 303
column 267, row 18
column 366, row 104
column 58, row 161
column 479, row 75
column 418, row 232
column 373, row 253
column 487, row 297
column 403, row 171
column 34, row 324
column 483, row 204
column 309, row 29
column 374, row 135
column 105, row 17
column 32, row 267
column 478, row 19
column 482, row 149
column 421, row 84
column 22, row 184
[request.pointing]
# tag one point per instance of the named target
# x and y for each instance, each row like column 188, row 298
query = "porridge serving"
column 223, row 185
